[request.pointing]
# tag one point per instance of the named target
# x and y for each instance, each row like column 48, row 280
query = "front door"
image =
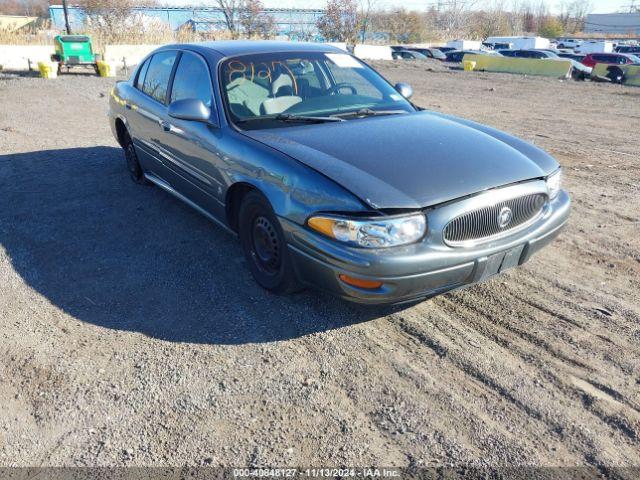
column 190, row 147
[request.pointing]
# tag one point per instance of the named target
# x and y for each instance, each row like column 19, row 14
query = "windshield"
column 274, row 90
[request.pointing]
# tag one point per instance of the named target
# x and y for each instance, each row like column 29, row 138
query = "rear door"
column 151, row 109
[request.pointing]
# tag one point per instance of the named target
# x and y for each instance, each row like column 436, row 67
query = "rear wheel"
column 264, row 245
column 133, row 165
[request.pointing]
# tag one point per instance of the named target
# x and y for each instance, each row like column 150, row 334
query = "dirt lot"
column 132, row 333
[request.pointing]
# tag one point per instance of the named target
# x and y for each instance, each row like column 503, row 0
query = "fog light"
column 360, row 283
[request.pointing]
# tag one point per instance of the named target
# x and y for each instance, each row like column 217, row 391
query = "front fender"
column 294, row 190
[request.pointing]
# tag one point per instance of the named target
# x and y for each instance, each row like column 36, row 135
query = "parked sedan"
column 579, row 71
column 456, row 56
column 610, row 59
column 330, row 176
column 407, row 55
column 429, row 53
column 632, row 49
column 572, row 56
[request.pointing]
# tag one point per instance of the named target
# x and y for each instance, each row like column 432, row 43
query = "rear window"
column 142, row 73
column 156, row 80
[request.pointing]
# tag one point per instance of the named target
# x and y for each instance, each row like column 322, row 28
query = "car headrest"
column 283, row 85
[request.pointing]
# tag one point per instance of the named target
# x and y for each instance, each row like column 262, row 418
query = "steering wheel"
column 339, row 86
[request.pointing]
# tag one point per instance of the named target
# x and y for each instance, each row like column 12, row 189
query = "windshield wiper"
column 289, row 117
column 367, row 112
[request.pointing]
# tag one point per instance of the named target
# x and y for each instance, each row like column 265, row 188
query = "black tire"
column 615, row 74
column 264, row 246
column 133, row 165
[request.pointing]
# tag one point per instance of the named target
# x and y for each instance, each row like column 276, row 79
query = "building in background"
column 290, row 23
column 613, row 23
column 11, row 23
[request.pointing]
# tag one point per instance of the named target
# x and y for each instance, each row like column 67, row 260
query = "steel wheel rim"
column 265, row 246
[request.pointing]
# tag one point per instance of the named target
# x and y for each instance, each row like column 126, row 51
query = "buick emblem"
column 504, row 217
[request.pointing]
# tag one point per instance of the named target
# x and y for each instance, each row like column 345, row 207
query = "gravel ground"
column 132, row 333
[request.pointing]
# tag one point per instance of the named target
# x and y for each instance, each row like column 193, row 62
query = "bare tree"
column 341, row 21
column 254, row 21
column 573, row 14
column 30, row 8
column 302, row 30
column 491, row 21
column 400, row 25
column 366, row 10
column 454, row 20
column 113, row 17
column 230, row 10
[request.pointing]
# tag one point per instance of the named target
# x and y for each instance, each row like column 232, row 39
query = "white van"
column 595, row 46
column 521, row 43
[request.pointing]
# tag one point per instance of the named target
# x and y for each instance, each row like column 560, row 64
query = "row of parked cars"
column 582, row 64
column 578, row 45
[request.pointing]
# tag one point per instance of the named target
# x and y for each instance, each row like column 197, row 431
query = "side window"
column 192, row 79
column 142, row 73
column 156, row 81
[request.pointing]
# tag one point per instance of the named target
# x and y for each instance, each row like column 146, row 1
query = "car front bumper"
column 420, row 270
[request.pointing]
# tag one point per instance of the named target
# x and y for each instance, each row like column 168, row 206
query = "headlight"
column 372, row 232
column 554, row 184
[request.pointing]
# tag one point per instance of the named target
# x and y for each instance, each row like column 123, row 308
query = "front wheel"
column 264, row 246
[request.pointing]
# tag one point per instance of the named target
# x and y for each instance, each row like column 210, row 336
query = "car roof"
column 242, row 47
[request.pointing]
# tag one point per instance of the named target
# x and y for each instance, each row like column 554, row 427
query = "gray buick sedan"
column 329, row 175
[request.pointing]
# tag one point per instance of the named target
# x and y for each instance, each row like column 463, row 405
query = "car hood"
column 410, row 160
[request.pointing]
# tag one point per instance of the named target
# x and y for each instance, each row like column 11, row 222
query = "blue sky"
column 599, row 6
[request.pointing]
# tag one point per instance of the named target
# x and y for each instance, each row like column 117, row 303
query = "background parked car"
column 456, row 56
column 580, row 71
column 610, row 59
column 497, row 45
column 572, row 56
column 633, row 49
column 407, row 55
column 430, row 53
column 529, row 53
column 445, row 50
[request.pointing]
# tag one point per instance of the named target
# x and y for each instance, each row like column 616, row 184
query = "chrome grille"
column 484, row 223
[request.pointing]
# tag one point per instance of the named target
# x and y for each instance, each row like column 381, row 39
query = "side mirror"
column 405, row 90
column 190, row 109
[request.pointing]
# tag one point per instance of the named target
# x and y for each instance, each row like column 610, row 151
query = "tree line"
column 364, row 21
column 359, row 21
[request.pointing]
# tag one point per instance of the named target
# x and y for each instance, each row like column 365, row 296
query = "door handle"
column 166, row 126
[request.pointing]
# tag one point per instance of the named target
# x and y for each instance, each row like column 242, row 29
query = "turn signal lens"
column 372, row 232
column 360, row 283
column 323, row 225
column 554, row 184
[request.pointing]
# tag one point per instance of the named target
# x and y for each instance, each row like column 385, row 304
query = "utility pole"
column 66, row 16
